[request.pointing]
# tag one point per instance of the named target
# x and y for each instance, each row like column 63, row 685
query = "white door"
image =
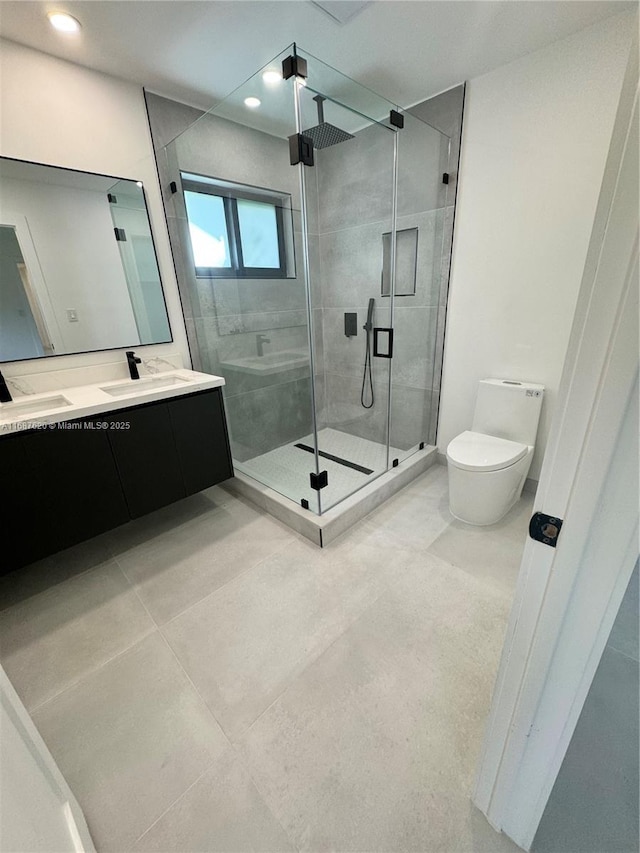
column 567, row 597
column 38, row 812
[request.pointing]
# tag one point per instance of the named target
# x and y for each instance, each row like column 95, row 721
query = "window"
column 236, row 231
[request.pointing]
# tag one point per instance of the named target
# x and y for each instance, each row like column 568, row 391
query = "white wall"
column 72, row 231
column 535, row 140
column 58, row 113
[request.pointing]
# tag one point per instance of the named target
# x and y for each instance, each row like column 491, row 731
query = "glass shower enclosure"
column 311, row 228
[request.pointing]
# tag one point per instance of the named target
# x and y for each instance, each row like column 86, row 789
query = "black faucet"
column 133, row 361
column 261, row 340
column 5, row 394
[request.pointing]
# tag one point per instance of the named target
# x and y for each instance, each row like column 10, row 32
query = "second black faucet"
column 5, row 394
column 133, row 361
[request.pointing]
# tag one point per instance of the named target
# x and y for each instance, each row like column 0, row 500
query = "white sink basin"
column 136, row 386
column 273, row 362
column 9, row 411
column 280, row 358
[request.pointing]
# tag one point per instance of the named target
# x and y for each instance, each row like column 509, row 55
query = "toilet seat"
column 474, row 451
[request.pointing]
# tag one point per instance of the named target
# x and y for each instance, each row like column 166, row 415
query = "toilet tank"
column 508, row 409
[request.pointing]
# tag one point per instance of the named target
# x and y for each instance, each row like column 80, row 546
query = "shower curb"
column 323, row 529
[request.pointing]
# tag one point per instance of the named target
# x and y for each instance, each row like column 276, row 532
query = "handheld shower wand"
column 367, row 377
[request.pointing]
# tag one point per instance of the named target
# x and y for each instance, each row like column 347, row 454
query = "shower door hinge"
column 396, row 119
column 445, row 177
column 318, row 481
column 301, row 149
column 545, row 528
column 294, row 66
column 173, row 187
column 120, row 235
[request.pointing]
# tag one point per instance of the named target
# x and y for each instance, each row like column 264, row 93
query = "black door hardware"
column 545, row 528
column 294, row 66
column 318, row 481
column 386, row 352
column 300, row 149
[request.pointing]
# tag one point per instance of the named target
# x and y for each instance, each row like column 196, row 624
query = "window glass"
column 208, row 230
column 258, row 234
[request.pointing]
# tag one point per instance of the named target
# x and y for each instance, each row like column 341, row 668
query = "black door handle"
column 545, row 528
column 388, row 350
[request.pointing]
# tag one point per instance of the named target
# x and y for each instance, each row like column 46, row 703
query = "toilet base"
column 485, row 497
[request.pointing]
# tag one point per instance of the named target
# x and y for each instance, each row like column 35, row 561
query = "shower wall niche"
column 271, row 257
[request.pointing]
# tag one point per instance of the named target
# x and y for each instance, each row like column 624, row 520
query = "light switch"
column 72, row 315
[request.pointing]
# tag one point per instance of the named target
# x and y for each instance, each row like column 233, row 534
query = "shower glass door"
column 349, row 197
column 423, row 237
column 236, row 215
column 288, row 270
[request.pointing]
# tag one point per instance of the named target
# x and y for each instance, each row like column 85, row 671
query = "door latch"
column 545, row 528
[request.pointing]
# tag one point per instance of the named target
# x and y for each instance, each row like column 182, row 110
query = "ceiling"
column 198, row 52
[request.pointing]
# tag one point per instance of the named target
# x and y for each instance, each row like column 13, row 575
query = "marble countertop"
column 34, row 411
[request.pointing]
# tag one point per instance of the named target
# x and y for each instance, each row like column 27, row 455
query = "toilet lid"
column 474, row 451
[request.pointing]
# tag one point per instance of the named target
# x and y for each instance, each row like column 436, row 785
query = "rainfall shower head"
column 325, row 134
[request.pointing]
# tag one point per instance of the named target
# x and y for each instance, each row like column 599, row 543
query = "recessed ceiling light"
column 252, row 102
column 139, row 183
column 63, row 22
column 271, row 76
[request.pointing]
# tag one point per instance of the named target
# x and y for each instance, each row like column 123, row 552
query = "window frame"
column 230, row 195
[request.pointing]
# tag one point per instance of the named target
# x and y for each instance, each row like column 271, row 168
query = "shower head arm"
column 320, row 101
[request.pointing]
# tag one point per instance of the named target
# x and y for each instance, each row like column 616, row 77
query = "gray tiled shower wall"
column 349, row 208
column 354, row 191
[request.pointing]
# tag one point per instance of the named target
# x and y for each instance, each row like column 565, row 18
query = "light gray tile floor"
column 208, row 680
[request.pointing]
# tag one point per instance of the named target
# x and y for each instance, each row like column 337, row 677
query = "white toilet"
column 489, row 463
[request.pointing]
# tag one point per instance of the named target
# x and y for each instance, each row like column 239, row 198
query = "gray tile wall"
column 593, row 807
column 354, row 185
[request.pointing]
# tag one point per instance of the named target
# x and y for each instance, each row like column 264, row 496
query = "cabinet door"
column 201, row 439
column 78, row 491
column 146, row 456
column 25, row 531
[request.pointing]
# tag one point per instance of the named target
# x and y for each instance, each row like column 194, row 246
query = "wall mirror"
column 78, row 268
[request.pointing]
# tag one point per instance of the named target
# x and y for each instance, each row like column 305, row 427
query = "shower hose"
column 366, row 375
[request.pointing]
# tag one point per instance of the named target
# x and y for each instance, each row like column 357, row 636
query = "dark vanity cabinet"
column 63, row 484
column 145, row 452
column 199, row 430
